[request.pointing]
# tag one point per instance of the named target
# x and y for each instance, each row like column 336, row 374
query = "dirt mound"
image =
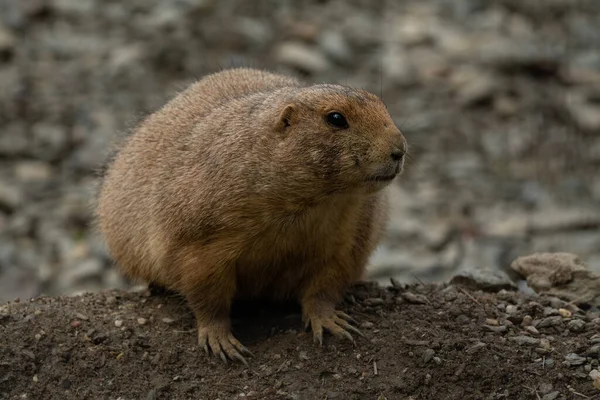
column 422, row 342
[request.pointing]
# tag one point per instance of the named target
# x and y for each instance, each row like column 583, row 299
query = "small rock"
column 565, row 313
column 415, row 298
column 33, row 171
column 584, row 111
column 593, row 351
column 118, row 323
column 478, row 88
column 550, row 321
column 527, row 320
column 167, row 320
column 544, row 270
column 367, row 325
column 551, row 396
column 524, row 340
column 334, row 44
column 395, row 65
column 81, row 316
column 75, row 323
column 437, row 360
column 476, row 347
column 595, row 375
column 427, row 355
column 545, row 344
column 511, row 309
column 486, row 279
column 7, row 43
column 11, row 196
column 549, row 311
column 142, row 321
column 496, row 329
column 492, row 322
column 532, row 330
column 374, row 301
column 573, row 359
column 545, row 388
column 576, row 325
column 49, row 141
column 301, row 56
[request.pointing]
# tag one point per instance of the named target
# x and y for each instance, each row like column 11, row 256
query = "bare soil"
column 422, row 342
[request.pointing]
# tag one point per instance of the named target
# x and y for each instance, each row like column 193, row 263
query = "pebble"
column 549, row 311
column 302, row 56
column 574, row 359
column 33, row 171
column 374, row 301
column 593, row 351
column 496, row 329
column 595, row 375
column 334, row 44
column 527, row 320
column 532, row 330
column 565, row 313
column 492, row 322
column 118, row 323
column 550, row 321
column 545, row 388
column 427, row 355
column 576, row 325
column 414, row 298
column 476, row 347
column 11, row 196
column 511, row 309
column 142, row 321
column 486, row 279
column 524, row 340
column 551, row 396
column 367, row 325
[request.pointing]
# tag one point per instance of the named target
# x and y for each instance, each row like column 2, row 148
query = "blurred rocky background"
column 499, row 100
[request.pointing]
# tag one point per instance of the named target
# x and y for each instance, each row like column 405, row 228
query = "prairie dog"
column 248, row 184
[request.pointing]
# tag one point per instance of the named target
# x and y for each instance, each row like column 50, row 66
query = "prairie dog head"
column 344, row 138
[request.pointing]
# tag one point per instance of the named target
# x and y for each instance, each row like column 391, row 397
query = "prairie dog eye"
column 336, row 119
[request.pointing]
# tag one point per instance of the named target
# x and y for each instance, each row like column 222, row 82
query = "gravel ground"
column 500, row 101
column 422, row 342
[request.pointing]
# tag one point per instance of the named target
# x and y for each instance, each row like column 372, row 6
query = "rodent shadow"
column 253, row 320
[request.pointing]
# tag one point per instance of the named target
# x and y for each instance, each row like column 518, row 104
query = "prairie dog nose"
column 397, row 154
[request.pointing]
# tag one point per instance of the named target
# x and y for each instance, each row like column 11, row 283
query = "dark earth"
column 422, row 342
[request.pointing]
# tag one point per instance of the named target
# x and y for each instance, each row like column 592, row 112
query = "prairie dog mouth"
column 386, row 175
column 383, row 178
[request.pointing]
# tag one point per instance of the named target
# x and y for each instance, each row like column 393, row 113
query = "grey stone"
column 33, row 171
column 551, row 396
column 483, row 279
column 11, row 196
column 302, row 56
column 545, row 388
column 524, row 340
column 573, row 359
column 576, row 325
column 335, row 45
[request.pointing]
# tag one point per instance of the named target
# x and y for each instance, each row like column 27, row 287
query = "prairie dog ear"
column 286, row 117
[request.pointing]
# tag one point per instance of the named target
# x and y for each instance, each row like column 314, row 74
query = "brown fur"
column 240, row 187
